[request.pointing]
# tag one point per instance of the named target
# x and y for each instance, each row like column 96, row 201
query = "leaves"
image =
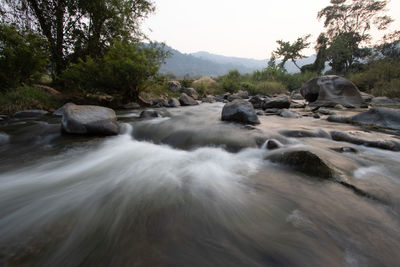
column 291, row 51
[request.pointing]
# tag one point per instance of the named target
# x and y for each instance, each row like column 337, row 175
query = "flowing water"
column 190, row 190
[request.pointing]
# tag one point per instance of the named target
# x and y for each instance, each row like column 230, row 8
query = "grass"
column 25, row 97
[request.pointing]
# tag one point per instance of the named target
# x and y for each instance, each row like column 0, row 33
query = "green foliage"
column 231, row 81
column 288, row 51
column 25, row 97
column 125, row 70
column 381, row 78
column 79, row 28
column 186, row 82
column 348, row 24
column 354, row 16
column 290, row 81
column 22, row 57
column 265, row 88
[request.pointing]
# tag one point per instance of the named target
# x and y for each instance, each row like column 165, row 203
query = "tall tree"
column 291, row 51
column 355, row 16
column 77, row 28
column 348, row 24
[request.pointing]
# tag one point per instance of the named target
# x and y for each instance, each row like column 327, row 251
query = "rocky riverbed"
column 181, row 187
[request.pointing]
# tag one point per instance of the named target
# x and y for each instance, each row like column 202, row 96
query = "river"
column 190, row 190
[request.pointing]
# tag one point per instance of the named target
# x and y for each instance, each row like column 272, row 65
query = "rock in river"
column 328, row 91
column 240, row 111
column 192, row 93
column 277, row 102
column 31, row 113
column 92, row 120
column 376, row 117
column 173, row 102
column 186, row 100
column 304, row 161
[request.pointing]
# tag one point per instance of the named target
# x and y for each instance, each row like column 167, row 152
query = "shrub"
column 231, row 81
column 381, row 78
column 268, row 88
column 22, row 57
column 125, row 69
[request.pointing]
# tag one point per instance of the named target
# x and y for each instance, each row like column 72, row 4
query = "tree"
column 22, row 56
column 348, row 24
column 288, row 51
column 77, row 28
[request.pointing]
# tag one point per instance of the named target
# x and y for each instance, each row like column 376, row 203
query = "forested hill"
column 207, row 64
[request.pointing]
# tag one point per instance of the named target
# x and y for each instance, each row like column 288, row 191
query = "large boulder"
column 60, row 112
column 186, row 100
column 279, row 102
column 328, row 91
column 30, row 113
column 192, row 93
column 174, row 86
column 90, row 120
column 240, row 111
column 381, row 117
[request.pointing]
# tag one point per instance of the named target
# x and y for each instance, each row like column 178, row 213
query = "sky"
column 241, row 28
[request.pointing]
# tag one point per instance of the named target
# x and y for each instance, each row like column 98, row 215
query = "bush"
column 268, row 88
column 25, row 97
column 381, row 78
column 22, row 57
column 230, row 82
column 125, row 69
column 291, row 81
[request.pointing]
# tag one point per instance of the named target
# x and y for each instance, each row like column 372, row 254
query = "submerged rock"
column 186, row 100
column 344, row 149
column 30, row 113
column 376, row 117
column 304, row 161
column 328, row 91
column 149, row 114
column 240, row 111
column 381, row 117
column 304, row 134
column 384, row 101
column 92, row 120
column 285, row 113
column 273, row 144
column 345, row 137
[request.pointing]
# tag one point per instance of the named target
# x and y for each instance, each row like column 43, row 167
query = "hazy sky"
column 243, row 28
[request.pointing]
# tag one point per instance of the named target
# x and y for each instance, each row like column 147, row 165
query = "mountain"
column 207, row 64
